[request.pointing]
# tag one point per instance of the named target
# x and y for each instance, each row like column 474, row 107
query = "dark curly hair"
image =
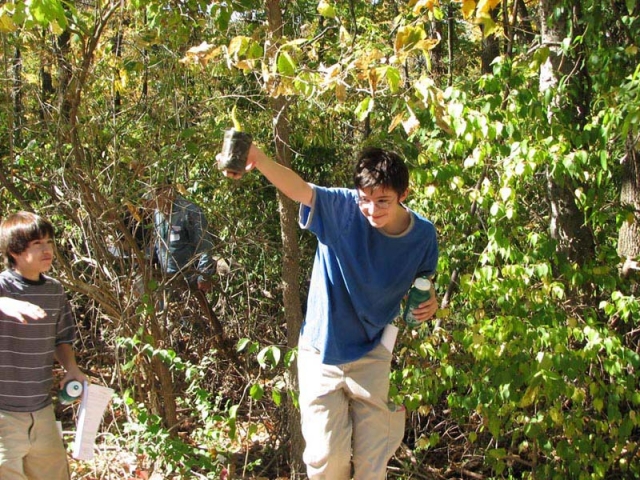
column 376, row 168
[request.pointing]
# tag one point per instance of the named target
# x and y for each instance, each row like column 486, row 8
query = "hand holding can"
column 70, row 392
column 420, row 292
column 235, row 149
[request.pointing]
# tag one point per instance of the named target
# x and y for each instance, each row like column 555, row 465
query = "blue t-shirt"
column 360, row 274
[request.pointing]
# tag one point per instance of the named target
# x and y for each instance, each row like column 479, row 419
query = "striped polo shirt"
column 27, row 349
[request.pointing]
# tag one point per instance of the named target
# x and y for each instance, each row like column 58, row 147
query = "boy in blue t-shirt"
column 370, row 249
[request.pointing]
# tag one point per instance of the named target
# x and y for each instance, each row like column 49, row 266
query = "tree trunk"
column 16, row 93
column 291, row 255
column 451, row 40
column 567, row 223
column 629, row 235
column 490, row 47
column 526, row 28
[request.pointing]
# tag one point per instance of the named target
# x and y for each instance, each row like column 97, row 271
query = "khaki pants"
column 31, row 447
column 346, row 416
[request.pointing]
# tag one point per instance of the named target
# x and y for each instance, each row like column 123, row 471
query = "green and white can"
column 419, row 292
column 71, row 392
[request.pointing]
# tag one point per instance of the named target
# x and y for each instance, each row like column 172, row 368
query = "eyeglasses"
column 381, row 204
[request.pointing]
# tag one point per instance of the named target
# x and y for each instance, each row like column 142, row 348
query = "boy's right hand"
column 21, row 310
column 252, row 160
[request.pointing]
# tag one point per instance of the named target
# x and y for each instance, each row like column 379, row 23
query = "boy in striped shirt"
column 36, row 327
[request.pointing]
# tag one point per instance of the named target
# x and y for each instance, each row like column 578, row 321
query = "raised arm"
column 283, row 178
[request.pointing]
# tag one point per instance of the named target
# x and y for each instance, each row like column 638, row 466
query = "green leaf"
column 393, row 78
column 326, row 9
column 271, row 353
column 364, row 108
column 286, row 65
column 242, row 344
column 47, row 11
column 256, row 391
column 408, row 37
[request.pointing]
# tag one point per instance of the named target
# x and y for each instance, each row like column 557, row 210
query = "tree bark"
column 291, row 255
column 629, row 235
column 567, row 223
column 16, row 93
column 490, row 47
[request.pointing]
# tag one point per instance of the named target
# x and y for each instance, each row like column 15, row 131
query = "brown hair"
column 18, row 230
column 376, row 168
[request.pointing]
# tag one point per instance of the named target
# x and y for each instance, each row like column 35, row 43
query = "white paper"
column 95, row 399
column 389, row 335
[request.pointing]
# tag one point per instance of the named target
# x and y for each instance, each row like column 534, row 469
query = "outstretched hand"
column 252, row 159
column 21, row 310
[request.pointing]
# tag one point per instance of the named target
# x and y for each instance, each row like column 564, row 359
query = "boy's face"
column 380, row 206
column 35, row 259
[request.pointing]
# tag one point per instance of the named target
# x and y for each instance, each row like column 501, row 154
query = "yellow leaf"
column 529, row 396
column 341, row 92
column 420, row 4
column 55, row 27
column 485, row 7
column 424, row 409
column 556, row 416
column 345, row 36
column 630, row 218
column 373, row 80
column 238, row 45
column 422, row 442
column 133, row 210
column 631, row 50
column 285, row 88
column 489, row 27
column 6, row 22
column 468, row 6
column 368, row 58
column 245, row 65
column 427, row 44
column 407, row 38
column 397, row 120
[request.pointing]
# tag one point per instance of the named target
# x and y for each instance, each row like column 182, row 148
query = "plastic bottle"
column 71, row 392
column 419, row 292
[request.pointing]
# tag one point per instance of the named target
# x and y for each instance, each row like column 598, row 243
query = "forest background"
column 520, row 121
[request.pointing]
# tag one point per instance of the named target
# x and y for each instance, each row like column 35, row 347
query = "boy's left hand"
column 73, row 375
column 426, row 310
